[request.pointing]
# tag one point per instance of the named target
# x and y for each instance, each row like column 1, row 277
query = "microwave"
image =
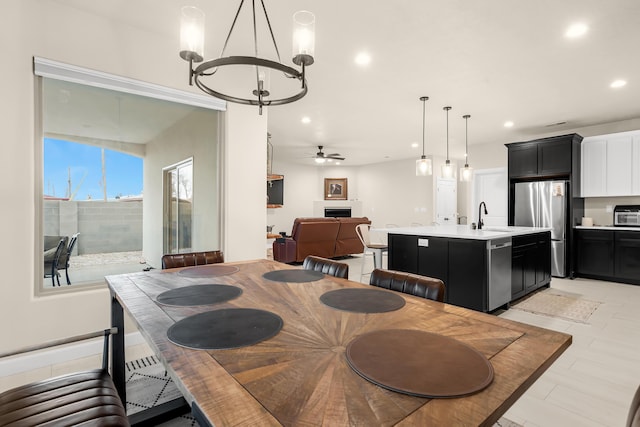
column 626, row 216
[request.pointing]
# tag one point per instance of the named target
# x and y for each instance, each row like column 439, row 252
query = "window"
column 100, row 158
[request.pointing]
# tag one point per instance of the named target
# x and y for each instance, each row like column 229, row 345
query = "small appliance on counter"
column 626, row 216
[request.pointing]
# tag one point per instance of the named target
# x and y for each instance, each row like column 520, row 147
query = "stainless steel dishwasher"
column 499, row 276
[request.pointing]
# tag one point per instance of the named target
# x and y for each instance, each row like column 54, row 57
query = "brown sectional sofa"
column 324, row 237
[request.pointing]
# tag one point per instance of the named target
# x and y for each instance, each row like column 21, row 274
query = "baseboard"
column 31, row 361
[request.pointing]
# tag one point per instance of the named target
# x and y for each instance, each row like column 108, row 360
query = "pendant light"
column 447, row 169
column 467, row 171
column 423, row 165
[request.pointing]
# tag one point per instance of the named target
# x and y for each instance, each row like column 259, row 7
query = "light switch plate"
column 609, row 208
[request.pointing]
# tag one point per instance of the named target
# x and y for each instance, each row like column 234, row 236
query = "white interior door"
column 446, row 201
column 491, row 187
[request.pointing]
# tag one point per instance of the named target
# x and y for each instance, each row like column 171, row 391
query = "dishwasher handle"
column 500, row 245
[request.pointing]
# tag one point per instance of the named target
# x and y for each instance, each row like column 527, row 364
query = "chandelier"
column 192, row 50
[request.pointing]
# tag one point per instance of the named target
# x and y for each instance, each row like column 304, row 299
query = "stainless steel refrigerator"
column 544, row 204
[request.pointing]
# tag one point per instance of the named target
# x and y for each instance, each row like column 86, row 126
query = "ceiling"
column 497, row 60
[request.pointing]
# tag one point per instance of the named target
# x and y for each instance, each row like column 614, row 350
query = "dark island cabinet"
column 609, row 255
column 459, row 263
column 403, row 253
column 530, row 263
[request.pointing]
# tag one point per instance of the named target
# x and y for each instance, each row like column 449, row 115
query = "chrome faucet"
column 480, row 223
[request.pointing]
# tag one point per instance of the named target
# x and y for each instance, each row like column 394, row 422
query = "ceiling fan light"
column 320, row 160
column 423, row 166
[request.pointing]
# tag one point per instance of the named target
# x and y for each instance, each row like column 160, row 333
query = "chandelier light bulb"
column 192, row 33
column 304, row 38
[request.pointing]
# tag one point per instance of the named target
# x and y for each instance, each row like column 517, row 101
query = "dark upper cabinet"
column 547, row 157
column 554, row 157
column 523, row 160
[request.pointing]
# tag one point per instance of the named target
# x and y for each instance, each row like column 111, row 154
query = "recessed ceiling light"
column 578, row 29
column 415, row 145
column 508, row 124
column 305, row 120
column 363, row 59
column 618, row 83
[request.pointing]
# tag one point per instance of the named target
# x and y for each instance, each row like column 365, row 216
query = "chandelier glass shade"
column 423, row 164
column 447, row 168
column 466, row 172
column 192, row 50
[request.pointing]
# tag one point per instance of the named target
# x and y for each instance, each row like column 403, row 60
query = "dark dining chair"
column 633, row 418
column 82, row 398
column 63, row 263
column 52, row 261
column 420, row 286
column 191, row 259
column 326, row 266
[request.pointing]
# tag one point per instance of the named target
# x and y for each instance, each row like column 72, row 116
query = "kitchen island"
column 482, row 269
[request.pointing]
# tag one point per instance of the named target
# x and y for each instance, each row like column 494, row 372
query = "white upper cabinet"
column 593, row 167
column 611, row 165
column 635, row 169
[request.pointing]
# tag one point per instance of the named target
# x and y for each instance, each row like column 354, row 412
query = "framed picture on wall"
column 335, row 188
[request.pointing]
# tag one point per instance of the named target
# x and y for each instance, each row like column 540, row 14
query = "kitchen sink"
column 500, row 229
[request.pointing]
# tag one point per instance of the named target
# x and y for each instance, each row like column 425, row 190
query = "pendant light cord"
column 423, row 114
column 466, row 138
column 447, row 110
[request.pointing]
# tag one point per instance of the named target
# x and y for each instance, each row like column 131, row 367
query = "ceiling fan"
column 320, row 157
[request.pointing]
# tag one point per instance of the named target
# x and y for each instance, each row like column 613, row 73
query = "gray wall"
column 104, row 227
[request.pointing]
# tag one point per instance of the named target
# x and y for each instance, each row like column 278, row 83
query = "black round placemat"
column 419, row 363
column 361, row 300
column 199, row 295
column 225, row 328
column 208, row 270
column 295, row 276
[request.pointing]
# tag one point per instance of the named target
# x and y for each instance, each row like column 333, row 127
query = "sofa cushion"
column 315, row 238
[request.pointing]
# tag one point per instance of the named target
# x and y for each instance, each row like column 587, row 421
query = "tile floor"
column 593, row 381
column 590, row 385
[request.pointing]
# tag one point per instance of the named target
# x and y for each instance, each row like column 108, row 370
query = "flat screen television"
column 275, row 192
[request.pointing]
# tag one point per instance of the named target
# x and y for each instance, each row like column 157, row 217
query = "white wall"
column 390, row 192
column 195, row 136
column 49, row 29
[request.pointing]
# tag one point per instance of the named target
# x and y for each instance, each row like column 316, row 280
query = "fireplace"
column 337, row 212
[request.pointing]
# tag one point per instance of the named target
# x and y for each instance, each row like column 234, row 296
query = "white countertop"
column 463, row 231
column 607, row 227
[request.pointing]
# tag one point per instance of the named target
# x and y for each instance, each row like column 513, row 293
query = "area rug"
column 558, row 304
column 148, row 384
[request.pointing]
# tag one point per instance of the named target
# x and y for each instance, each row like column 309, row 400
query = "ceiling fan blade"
column 335, row 157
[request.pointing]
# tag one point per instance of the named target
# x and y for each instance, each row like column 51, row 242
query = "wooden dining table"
column 301, row 375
